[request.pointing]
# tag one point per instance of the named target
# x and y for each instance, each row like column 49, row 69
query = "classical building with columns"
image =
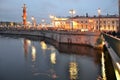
column 83, row 23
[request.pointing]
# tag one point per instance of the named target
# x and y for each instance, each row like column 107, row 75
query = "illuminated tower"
column 24, row 15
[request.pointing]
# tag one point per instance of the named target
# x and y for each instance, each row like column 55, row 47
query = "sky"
column 11, row 10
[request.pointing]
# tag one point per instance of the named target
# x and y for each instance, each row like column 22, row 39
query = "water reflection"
column 53, row 62
column 73, row 70
column 53, row 58
column 33, row 53
column 43, row 46
column 47, row 62
column 25, row 47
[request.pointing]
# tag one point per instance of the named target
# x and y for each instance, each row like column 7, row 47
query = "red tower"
column 24, row 16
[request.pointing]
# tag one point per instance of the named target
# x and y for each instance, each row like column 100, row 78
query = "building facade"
column 103, row 23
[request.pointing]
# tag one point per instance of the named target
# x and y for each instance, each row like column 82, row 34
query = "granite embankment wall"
column 69, row 37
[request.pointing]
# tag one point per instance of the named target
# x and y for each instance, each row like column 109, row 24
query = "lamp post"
column 52, row 20
column 72, row 12
column 99, row 12
column 43, row 23
column 33, row 22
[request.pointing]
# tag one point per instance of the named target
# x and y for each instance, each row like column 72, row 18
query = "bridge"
column 113, row 45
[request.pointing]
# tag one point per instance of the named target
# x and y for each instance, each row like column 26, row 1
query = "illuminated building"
column 86, row 23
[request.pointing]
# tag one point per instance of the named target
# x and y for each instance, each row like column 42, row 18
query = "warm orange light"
column 90, row 20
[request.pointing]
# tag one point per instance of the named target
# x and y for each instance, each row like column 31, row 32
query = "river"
column 22, row 58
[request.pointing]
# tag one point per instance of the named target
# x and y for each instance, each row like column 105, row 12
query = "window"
column 104, row 22
column 113, row 22
column 85, row 21
column 81, row 21
column 96, row 21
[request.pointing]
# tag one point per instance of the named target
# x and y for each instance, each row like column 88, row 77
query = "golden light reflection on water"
column 53, row 58
column 43, row 45
column 28, row 42
column 73, row 70
column 33, row 53
column 73, row 65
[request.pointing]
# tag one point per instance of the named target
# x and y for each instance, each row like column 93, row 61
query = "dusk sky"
column 11, row 10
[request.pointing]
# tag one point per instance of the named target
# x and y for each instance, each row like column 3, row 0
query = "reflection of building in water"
column 25, row 47
column 73, row 70
column 80, row 50
column 33, row 53
column 51, row 73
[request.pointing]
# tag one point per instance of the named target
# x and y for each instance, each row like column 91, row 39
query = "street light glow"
column 32, row 18
column 72, row 12
column 99, row 11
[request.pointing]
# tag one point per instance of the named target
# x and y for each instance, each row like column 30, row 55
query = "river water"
column 31, row 59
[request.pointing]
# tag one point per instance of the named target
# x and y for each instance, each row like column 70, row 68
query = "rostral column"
column 24, row 16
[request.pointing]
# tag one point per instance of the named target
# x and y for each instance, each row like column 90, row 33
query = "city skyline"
column 11, row 10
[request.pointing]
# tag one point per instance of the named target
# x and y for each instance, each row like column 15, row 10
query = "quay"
column 67, row 37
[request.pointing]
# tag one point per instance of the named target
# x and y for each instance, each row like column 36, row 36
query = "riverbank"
column 65, row 37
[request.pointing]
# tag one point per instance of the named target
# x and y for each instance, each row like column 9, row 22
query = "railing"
column 113, row 45
column 113, row 42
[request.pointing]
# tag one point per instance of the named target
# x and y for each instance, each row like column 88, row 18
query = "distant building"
column 9, row 24
column 107, row 23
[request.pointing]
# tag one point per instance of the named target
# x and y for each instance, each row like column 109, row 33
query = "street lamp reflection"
column 43, row 45
column 29, row 42
column 53, row 58
column 33, row 53
column 73, row 70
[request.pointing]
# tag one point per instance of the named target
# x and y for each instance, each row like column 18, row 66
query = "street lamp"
column 43, row 23
column 52, row 18
column 72, row 12
column 99, row 12
column 33, row 21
